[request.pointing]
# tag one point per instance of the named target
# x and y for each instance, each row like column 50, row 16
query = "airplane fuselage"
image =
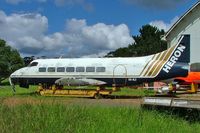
column 119, row 71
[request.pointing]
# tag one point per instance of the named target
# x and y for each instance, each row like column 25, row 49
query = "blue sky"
column 81, row 28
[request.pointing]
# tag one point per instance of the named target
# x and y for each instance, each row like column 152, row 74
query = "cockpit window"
column 33, row 64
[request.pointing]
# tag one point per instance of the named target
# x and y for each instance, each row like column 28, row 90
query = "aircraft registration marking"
column 132, row 79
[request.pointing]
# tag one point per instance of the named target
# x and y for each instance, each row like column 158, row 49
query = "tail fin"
column 179, row 58
column 165, row 61
column 182, row 51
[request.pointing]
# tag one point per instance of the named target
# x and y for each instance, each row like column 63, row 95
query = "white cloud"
column 113, row 36
column 101, row 54
column 160, row 24
column 22, row 31
column 27, row 33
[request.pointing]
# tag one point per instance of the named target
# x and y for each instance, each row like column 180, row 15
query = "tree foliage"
column 10, row 60
column 146, row 43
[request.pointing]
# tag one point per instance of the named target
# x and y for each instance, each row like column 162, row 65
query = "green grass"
column 6, row 91
column 88, row 119
column 134, row 92
column 49, row 115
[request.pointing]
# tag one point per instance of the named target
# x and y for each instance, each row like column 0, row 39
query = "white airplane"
column 170, row 63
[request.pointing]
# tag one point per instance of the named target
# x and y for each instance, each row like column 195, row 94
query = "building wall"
column 190, row 24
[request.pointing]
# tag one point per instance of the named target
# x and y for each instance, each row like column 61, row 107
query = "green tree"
column 146, row 43
column 10, row 60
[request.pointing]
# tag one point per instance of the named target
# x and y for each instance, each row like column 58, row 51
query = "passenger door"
column 120, row 75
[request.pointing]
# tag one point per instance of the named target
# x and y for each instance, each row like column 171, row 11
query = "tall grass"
column 88, row 119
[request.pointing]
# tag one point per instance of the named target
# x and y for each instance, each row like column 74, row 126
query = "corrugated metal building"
column 189, row 23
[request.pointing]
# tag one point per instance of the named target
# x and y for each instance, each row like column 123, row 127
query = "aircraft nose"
column 18, row 73
column 15, row 74
column 14, row 77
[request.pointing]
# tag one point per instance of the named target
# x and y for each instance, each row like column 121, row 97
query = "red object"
column 193, row 77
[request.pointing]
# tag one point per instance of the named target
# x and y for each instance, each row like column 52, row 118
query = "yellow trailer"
column 96, row 93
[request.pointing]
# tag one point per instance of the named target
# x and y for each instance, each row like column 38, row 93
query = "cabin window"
column 42, row 69
column 80, row 69
column 100, row 69
column 33, row 64
column 90, row 69
column 51, row 69
column 70, row 69
column 60, row 69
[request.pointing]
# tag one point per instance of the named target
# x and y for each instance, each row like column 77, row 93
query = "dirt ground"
column 112, row 101
column 14, row 101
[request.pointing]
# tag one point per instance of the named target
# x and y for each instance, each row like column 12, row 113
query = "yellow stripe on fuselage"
column 152, row 64
column 157, row 62
column 144, row 69
column 162, row 61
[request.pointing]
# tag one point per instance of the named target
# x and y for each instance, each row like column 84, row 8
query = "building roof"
column 181, row 18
